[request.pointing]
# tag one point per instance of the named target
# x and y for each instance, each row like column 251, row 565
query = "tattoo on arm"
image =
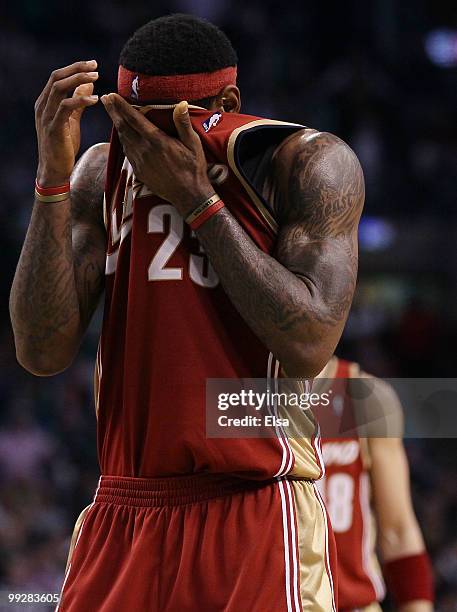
column 325, row 187
column 41, row 282
column 301, row 296
column 89, row 237
column 320, row 212
column 59, row 276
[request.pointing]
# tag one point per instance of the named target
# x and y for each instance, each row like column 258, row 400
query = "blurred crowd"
column 359, row 70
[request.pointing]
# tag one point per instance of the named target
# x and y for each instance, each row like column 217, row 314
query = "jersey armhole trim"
column 231, row 157
column 286, row 140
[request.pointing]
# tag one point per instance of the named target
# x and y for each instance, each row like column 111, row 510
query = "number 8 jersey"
column 168, row 324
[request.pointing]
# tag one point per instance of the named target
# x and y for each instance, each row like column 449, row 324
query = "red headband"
column 145, row 88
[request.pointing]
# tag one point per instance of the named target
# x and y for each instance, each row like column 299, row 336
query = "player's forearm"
column 44, row 302
column 400, row 540
column 44, row 307
column 277, row 305
column 417, row 606
column 403, row 551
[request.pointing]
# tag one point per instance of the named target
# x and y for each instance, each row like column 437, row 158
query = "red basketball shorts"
column 202, row 543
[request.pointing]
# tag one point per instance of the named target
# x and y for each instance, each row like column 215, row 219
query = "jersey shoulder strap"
column 245, row 140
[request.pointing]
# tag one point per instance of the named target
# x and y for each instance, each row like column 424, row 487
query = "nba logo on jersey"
column 135, row 84
column 212, row 121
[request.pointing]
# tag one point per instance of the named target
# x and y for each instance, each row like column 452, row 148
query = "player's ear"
column 228, row 99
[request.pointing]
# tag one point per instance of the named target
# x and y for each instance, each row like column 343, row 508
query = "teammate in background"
column 367, row 490
column 198, row 285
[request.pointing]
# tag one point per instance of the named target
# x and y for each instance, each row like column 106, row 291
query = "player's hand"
column 57, row 120
column 175, row 169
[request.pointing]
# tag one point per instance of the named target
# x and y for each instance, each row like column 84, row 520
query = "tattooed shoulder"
column 322, row 185
column 88, row 228
column 87, row 185
column 321, row 191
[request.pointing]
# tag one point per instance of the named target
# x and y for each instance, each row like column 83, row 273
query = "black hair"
column 177, row 44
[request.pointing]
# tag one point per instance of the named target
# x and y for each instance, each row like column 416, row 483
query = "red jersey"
column 168, row 324
column 346, row 490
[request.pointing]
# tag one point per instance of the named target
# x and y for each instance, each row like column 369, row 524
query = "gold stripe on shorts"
column 316, row 587
column 75, row 534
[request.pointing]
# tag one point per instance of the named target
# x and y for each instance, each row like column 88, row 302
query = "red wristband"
column 207, row 214
column 51, row 191
column 410, row 579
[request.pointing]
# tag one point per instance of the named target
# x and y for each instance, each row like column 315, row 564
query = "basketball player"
column 367, row 484
column 231, row 279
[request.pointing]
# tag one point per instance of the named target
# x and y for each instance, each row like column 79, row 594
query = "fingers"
column 63, row 73
column 134, row 130
column 60, row 74
column 69, row 105
column 186, row 132
column 59, row 90
column 84, row 90
column 128, row 136
column 124, row 116
column 112, row 110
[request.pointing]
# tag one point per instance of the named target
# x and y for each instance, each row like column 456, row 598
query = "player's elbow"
column 305, row 359
column 40, row 363
column 43, row 352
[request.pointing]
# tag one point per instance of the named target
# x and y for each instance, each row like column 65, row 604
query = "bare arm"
column 417, row 606
column 399, row 532
column 297, row 302
column 59, row 277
